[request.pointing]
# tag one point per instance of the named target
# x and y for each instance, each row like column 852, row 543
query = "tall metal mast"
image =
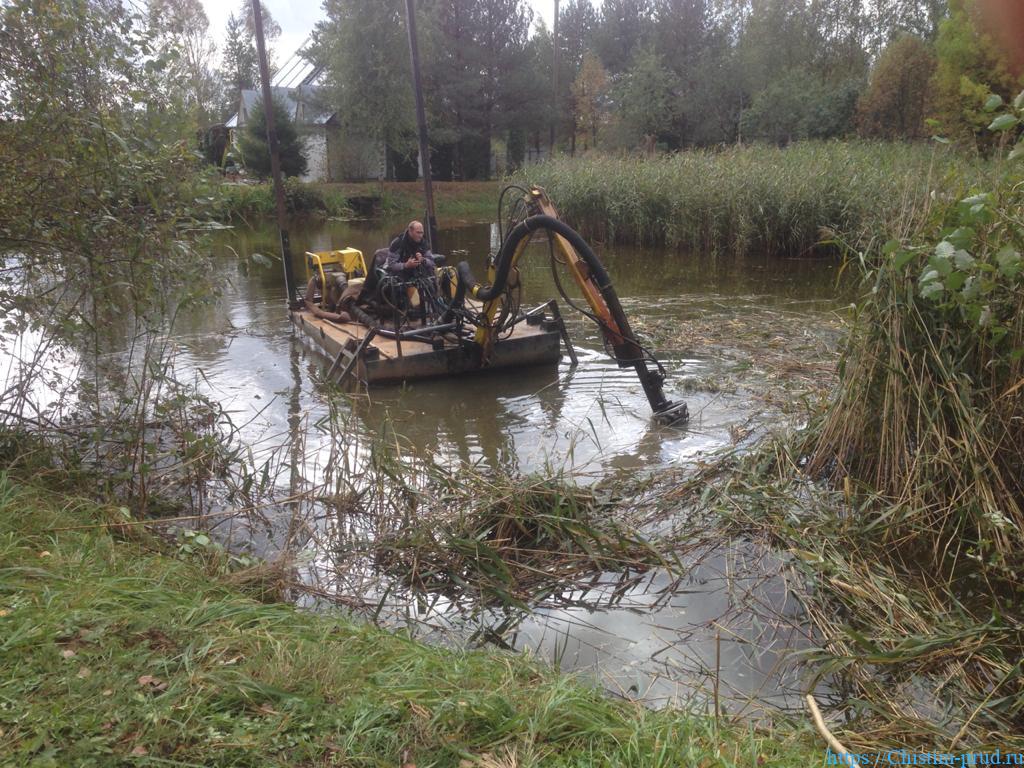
column 275, row 153
column 421, row 119
column 554, row 80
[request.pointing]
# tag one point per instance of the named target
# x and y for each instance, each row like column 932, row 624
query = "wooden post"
column 421, row 119
column 275, row 153
column 554, row 78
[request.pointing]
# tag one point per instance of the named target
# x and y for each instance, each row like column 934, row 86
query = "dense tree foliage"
column 479, row 80
column 182, row 34
column 647, row 101
column 365, row 51
column 240, row 68
column 970, row 68
column 631, row 74
column 667, row 73
column 893, row 106
column 256, row 151
column 477, row 77
column 97, row 209
column 576, row 25
column 589, row 92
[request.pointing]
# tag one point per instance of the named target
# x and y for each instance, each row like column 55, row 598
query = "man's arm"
column 396, row 264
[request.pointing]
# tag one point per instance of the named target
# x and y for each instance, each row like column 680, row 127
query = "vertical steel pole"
column 421, row 119
column 554, row 78
column 275, row 153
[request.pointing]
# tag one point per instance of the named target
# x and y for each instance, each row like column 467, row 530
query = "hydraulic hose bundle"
column 607, row 313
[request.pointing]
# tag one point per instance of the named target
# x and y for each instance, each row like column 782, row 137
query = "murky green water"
column 590, row 418
column 658, row 639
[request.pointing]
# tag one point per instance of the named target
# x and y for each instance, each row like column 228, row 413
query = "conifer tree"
column 256, row 152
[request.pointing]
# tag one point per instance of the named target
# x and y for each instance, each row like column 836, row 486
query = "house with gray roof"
column 318, row 127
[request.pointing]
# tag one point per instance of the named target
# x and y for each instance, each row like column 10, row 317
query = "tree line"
column 666, row 74
column 616, row 74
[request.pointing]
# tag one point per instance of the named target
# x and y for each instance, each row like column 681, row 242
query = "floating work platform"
column 376, row 357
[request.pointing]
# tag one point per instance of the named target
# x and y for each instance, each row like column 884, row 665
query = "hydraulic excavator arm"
column 595, row 285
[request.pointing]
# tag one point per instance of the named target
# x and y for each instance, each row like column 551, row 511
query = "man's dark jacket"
column 402, row 248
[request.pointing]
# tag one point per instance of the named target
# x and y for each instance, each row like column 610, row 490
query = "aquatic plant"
column 753, row 199
column 256, row 201
column 912, row 551
column 509, row 540
column 931, row 405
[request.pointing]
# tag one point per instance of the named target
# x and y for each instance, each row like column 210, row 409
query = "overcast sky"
column 298, row 17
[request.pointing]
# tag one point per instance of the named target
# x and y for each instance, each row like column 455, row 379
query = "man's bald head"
column 415, row 231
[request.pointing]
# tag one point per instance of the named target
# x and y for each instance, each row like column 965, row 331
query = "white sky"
column 298, row 17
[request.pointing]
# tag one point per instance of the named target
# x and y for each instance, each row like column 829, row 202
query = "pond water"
column 726, row 330
column 587, row 419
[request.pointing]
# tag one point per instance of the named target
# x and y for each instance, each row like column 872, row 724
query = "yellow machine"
column 536, row 213
column 462, row 324
column 347, row 260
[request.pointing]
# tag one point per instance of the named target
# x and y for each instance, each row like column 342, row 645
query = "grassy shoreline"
column 115, row 653
column 454, row 201
column 806, row 199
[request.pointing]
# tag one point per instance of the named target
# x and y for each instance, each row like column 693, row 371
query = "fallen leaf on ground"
column 140, row 750
column 84, row 672
column 154, row 684
column 67, row 653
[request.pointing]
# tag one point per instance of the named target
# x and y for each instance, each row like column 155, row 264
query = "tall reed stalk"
column 754, row 199
column 930, row 413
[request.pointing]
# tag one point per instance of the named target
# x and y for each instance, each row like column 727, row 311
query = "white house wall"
column 314, row 148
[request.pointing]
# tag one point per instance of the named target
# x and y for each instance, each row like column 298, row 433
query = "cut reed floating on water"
column 513, row 545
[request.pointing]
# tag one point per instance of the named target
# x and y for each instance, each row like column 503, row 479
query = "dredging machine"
column 450, row 323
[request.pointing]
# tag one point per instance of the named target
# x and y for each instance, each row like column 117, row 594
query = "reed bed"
column 927, row 431
column 903, row 503
column 754, row 199
column 240, row 202
column 931, row 407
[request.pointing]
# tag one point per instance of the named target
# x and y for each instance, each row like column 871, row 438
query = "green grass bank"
column 114, row 652
column 754, row 199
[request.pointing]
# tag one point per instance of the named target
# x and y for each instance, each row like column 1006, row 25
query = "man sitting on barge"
column 409, row 256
